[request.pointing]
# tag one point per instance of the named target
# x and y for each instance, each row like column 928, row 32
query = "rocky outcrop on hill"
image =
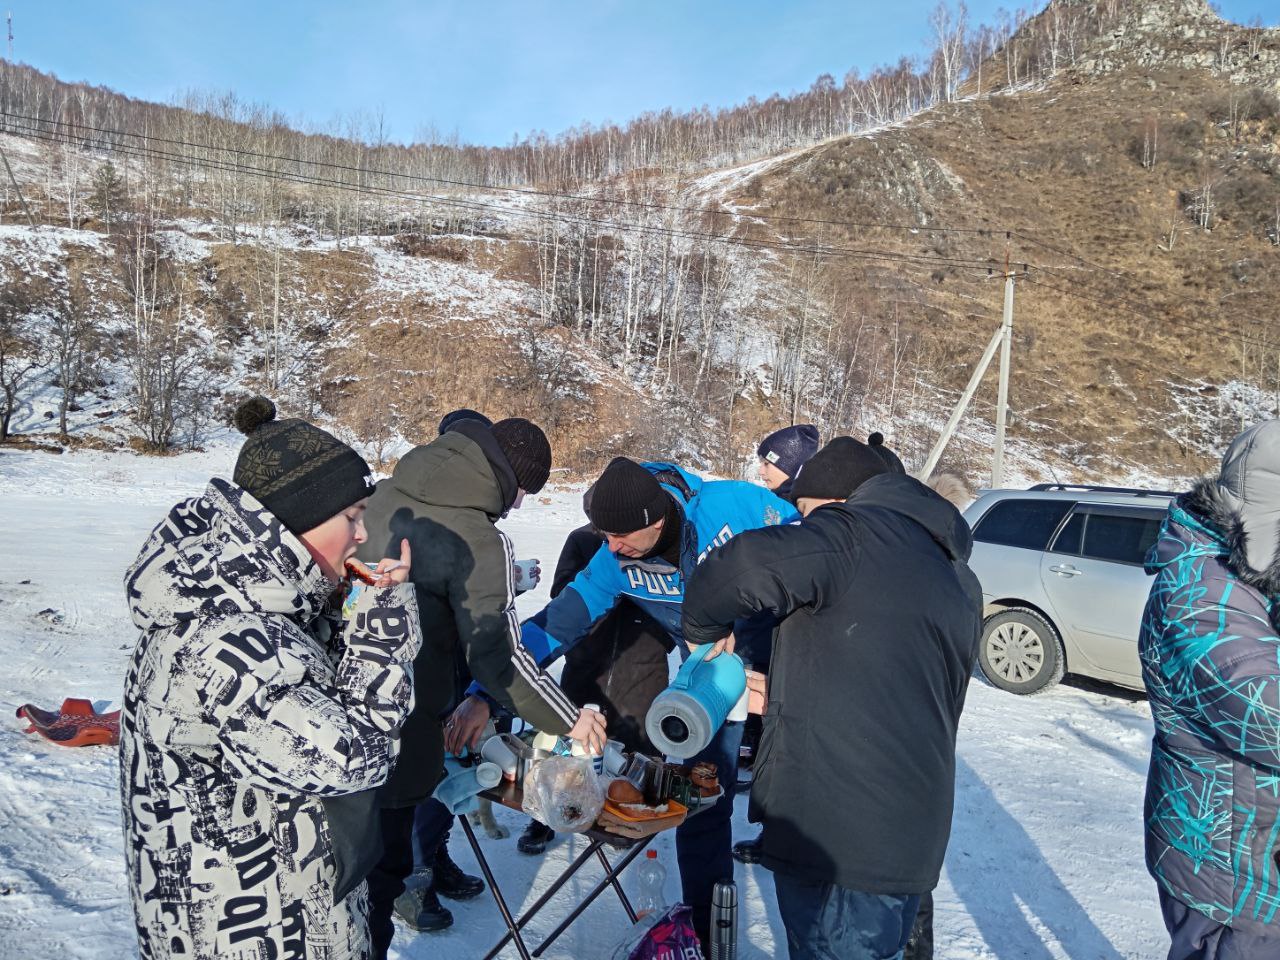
column 1177, row 34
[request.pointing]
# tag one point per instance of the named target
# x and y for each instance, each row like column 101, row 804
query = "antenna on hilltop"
column 9, row 17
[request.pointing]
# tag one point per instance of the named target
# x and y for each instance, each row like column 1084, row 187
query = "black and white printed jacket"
column 240, row 713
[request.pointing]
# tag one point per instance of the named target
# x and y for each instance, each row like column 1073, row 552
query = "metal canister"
column 528, row 759
column 724, row 921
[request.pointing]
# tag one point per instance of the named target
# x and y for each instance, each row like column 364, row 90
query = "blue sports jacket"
column 714, row 511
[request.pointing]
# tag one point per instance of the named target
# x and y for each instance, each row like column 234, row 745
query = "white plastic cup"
column 546, row 741
column 740, row 711
column 496, row 752
column 488, row 775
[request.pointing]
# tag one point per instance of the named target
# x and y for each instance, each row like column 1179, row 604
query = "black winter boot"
column 748, row 851
column 419, row 908
column 920, row 946
column 535, row 838
column 451, row 882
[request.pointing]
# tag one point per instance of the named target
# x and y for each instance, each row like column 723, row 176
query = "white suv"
column 1063, row 584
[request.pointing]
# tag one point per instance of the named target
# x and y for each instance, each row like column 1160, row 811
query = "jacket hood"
column 1208, row 521
column 681, row 482
column 454, row 470
column 908, row 496
column 220, row 554
column 1249, row 484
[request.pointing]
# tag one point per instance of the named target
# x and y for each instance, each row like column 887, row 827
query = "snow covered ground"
column 1045, row 859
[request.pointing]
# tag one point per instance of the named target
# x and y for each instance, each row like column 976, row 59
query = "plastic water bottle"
column 653, row 877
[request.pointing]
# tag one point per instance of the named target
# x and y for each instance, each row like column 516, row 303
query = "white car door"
column 1094, row 578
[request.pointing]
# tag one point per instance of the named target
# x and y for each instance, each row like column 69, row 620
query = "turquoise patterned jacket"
column 1211, row 663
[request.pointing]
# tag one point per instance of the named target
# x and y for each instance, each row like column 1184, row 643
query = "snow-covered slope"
column 1045, row 859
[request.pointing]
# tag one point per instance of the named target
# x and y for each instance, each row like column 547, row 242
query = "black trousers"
column 386, row 880
column 432, row 822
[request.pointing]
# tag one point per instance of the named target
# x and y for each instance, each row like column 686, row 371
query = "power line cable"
column 366, row 188
column 647, row 229
column 423, row 178
column 369, row 189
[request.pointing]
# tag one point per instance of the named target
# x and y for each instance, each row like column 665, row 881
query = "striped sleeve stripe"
column 526, row 666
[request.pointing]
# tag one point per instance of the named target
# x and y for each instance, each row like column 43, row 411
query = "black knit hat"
column 790, row 448
column 876, row 443
column 302, row 474
column 462, row 413
column 527, row 450
column 838, row 469
column 626, row 498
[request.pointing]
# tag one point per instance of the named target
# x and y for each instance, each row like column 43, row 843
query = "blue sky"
column 485, row 69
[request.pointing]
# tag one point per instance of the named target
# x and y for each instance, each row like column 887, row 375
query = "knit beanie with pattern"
column 302, row 474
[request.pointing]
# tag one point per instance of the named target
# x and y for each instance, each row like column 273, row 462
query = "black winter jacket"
column 622, row 664
column 445, row 497
column 855, row 775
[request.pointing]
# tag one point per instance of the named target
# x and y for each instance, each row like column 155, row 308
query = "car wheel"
column 1020, row 651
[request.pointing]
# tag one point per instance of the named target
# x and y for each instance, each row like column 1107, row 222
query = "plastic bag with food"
column 563, row 793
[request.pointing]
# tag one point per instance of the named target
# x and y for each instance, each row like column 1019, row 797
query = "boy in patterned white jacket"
column 244, row 708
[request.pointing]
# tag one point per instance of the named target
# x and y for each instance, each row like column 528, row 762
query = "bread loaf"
column 624, row 791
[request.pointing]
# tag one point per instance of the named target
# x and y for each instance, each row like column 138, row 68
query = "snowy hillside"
column 1045, row 859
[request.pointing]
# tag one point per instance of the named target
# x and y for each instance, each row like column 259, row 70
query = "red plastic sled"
column 75, row 725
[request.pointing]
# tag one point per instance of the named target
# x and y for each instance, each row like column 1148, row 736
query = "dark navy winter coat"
column 879, row 623
column 1211, row 663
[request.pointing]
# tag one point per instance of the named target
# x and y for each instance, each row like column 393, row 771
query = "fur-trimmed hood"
column 1208, row 520
column 1240, row 507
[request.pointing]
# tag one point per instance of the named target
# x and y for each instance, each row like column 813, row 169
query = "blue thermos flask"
column 685, row 716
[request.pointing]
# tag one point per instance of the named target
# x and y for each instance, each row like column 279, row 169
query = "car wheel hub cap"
column 1015, row 652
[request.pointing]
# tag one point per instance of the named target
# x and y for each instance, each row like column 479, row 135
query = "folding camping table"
column 510, row 795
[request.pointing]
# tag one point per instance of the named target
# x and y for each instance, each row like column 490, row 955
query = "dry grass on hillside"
column 1063, row 166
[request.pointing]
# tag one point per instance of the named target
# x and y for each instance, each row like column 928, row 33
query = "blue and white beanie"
column 790, row 448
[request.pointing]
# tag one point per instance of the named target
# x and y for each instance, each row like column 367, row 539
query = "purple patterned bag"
column 671, row 937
